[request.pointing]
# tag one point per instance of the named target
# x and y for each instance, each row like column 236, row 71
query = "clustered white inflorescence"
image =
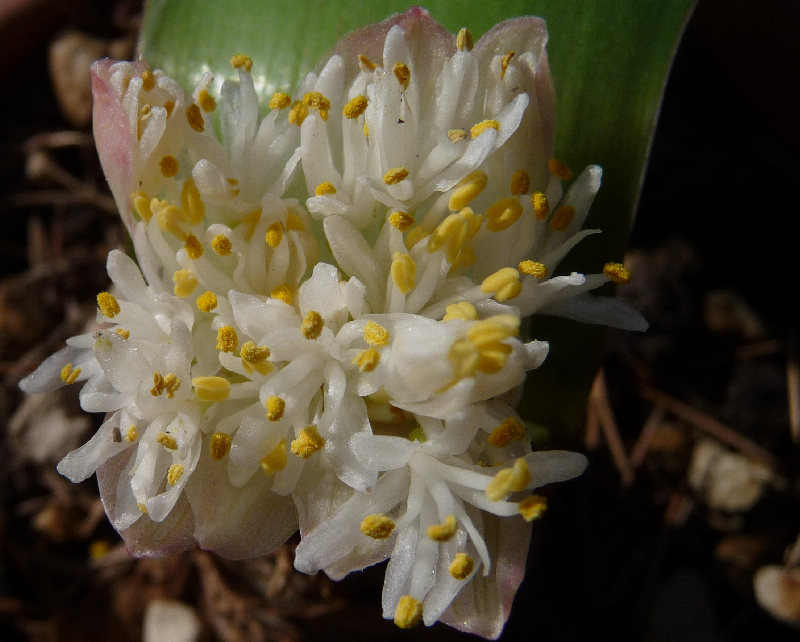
column 251, row 388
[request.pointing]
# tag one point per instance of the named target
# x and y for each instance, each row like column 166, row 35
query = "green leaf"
column 609, row 60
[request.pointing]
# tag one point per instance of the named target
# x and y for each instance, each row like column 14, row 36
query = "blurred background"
column 693, row 429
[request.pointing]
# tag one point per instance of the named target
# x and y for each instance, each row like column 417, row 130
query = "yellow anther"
column 275, row 460
column 284, row 293
column 195, row 118
column 240, row 61
column 149, row 80
column 274, row 234
column 464, row 357
column 323, row 189
column 511, row 429
column 280, row 100
column 185, row 283
column 416, row 235
column 222, row 245
column 408, row 612
column 377, row 526
column 193, row 247
column 503, row 284
column 158, row 384
column 298, row 113
column 312, row 325
column 541, row 208
column 559, row 169
column 401, row 220
column 122, row 332
column 444, row 531
column 255, row 358
column 464, row 40
column 249, row 223
column 315, row 100
column 142, row 507
column 508, row 480
column 211, row 389
column 403, row 272
column 171, row 384
column 495, row 328
column 402, row 73
column 367, row 360
column 70, row 375
column 192, row 203
column 456, row 135
column 206, row 101
column 206, row 301
column 169, row 105
column 532, row 507
column 294, row 223
column 454, row 232
column 504, row 61
column 520, row 182
column 170, row 219
column 219, row 445
column 562, row 217
column 275, row 407
column 168, row 441
column 417, row 434
column 141, row 205
column 617, row 272
column 108, row 304
column 461, row 310
column 168, row 165
column 375, row 334
column 131, row 434
column 395, row 175
column 355, row 107
column 365, row 63
column 308, row 442
column 503, row 214
column 467, row 190
column 534, row 268
column 461, row 566
column 174, row 473
column 227, row 339
column 482, row 126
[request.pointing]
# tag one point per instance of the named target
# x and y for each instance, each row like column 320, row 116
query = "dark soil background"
column 693, row 481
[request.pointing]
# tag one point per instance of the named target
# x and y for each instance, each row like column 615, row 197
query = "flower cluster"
column 252, row 388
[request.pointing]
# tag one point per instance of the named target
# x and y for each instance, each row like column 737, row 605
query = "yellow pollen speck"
column 274, row 234
column 219, row 445
column 355, row 107
column 275, row 460
column 377, row 526
column 401, row 220
column 520, row 182
column 192, row 203
column 193, row 247
column 444, row 531
column 534, row 268
column 365, row 129
column 168, row 165
column 212, row 389
column 142, row 507
column 503, row 214
column 532, row 507
column 510, row 430
column 395, row 175
column 308, row 442
column 108, row 304
column 508, row 480
column 185, row 283
column 482, row 126
column 275, row 407
column 403, row 272
column 168, row 441
column 284, row 293
column 298, row 113
column 131, row 434
column 323, row 189
column 464, row 40
column 461, row 310
column 541, row 208
column 367, row 360
column 504, row 284
column 456, row 135
column 240, row 61
column 408, row 612
column 365, row 63
column 68, row 375
column 195, row 118
column 312, row 325
column 562, row 217
column 504, row 61
column 375, row 334
column 169, row 105
column 559, row 169
column 172, row 383
column 141, row 205
column 149, row 80
column 206, row 101
column 206, row 301
column 467, row 190
column 255, row 358
column 227, row 339
column 617, row 272
column 461, row 566
column 280, row 100
column 174, row 473
column 402, row 73
column 122, row 332
column 222, row 245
